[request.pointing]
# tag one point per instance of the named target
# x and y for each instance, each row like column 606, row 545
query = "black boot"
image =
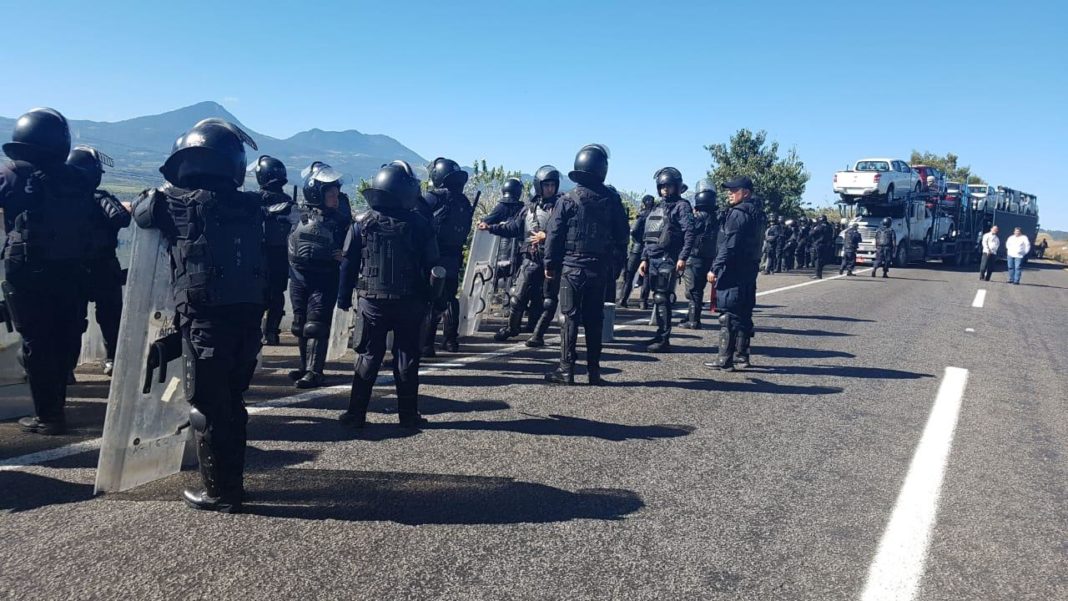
column 313, row 376
column 727, row 340
column 430, row 334
column 359, row 398
column 34, row 425
column 535, row 341
column 408, row 412
column 302, row 346
column 564, row 374
column 594, row 375
column 693, row 318
column 213, row 497
column 742, row 360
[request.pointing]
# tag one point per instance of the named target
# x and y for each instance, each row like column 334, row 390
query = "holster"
column 160, row 353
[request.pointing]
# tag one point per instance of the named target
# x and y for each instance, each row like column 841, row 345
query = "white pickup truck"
column 882, row 180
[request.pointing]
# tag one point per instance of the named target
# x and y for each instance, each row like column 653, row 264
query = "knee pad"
column 514, row 301
column 297, row 328
column 725, row 320
column 198, row 420
column 316, row 329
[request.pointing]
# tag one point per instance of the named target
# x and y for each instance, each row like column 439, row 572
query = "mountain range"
column 140, row 145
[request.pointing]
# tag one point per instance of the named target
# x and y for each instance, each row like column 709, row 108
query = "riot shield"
column 15, row 399
column 478, row 280
column 148, row 411
column 93, row 350
column 340, row 334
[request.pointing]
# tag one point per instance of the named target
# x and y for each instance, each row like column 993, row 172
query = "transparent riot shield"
column 340, row 334
column 15, row 399
column 478, row 280
column 148, row 413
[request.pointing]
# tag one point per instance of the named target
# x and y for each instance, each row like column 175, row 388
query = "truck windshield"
column 881, row 211
column 873, row 166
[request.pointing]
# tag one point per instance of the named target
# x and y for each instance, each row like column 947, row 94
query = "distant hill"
column 1055, row 234
column 140, row 145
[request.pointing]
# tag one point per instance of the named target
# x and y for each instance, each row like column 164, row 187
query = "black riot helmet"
column 705, row 196
column 394, row 186
column 591, row 165
column 42, row 134
column 545, row 173
column 318, row 178
column 269, row 172
column 211, row 156
column 89, row 163
column 648, row 201
column 669, row 176
column 823, row 219
column 512, row 190
column 887, row 222
column 446, row 173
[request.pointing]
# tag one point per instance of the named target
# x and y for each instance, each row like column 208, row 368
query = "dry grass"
column 1057, row 250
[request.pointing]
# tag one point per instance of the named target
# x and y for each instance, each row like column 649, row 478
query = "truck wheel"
column 902, row 258
column 890, row 194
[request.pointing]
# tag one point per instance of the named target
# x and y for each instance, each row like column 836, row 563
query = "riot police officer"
column 885, row 241
column 668, row 241
column 314, row 254
column 734, row 273
column 581, row 231
column 46, row 216
column 851, row 239
column 389, row 256
column 280, row 215
column 784, row 234
column 820, row 238
column 789, row 249
column 634, row 257
column 449, row 212
column 215, row 237
column 705, row 232
column 803, row 253
column 617, row 261
column 771, row 245
column 105, row 274
column 508, row 259
column 530, row 288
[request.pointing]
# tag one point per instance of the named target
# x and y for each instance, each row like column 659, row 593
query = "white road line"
column 23, row 461
column 980, row 298
column 897, row 569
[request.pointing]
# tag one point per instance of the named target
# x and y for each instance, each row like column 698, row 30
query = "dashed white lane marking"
column 24, row 461
column 980, row 298
column 897, row 569
column 969, row 330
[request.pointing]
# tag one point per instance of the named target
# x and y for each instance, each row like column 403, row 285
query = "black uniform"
column 803, row 252
column 313, row 285
column 668, row 238
column 508, row 253
column 388, row 255
column 449, row 212
column 530, row 290
column 772, row 238
column 789, row 249
column 850, row 241
column 736, row 266
column 634, row 257
column 47, row 212
column 280, row 214
column 617, row 260
column 705, row 236
column 820, row 240
column 578, row 247
column 885, row 241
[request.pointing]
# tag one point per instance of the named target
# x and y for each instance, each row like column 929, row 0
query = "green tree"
column 948, row 164
column 779, row 181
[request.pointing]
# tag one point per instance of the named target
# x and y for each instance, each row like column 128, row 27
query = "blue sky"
column 526, row 83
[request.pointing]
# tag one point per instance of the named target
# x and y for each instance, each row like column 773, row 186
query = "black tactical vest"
column 884, row 236
column 278, row 209
column 537, row 218
column 705, row 244
column 656, row 225
column 105, row 220
column 390, row 259
column 47, row 219
column 218, row 257
column 312, row 242
column 587, row 228
column 452, row 214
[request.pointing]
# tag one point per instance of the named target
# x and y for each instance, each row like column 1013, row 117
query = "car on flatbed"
column 877, row 180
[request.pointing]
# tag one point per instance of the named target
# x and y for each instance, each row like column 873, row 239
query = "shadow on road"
column 563, row 425
column 407, row 498
column 844, row 371
column 821, row 318
column 786, row 352
column 754, row 385
column 793, row 332
column 21, row 491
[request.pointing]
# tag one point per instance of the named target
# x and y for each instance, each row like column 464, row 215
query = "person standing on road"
column 885, row 240
column 668, row 242
column 705, row 230
column 389, row 258
column 581, row 230
column 771, row 245
column 802, row 254
column 1016, row 248
column 850, row 241
column 990, row 245
column 637, row 234
column 280, row 215
column 789, row 247
column 820, row 239
column 734, row 273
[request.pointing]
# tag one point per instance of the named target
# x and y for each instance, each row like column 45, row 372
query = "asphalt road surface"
column 895, row 439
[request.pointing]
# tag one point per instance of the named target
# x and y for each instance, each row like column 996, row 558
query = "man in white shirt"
column 990, row 244
column 1016, row 248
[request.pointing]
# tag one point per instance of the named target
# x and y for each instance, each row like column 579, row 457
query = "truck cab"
column 911, row 222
